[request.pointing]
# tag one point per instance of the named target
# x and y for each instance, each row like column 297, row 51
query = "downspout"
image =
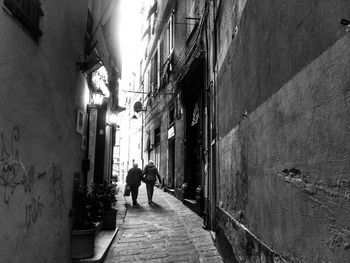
column 213, row 222
column 143, row 111
column 208, row 133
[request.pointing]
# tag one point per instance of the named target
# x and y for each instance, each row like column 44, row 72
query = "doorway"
column 171, row 163
column 193, row 149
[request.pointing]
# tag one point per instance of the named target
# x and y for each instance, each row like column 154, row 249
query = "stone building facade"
column 44, row 98
column 257, row 115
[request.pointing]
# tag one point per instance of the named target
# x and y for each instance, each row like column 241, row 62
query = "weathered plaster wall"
column 40, row 151
column 283, row 89
column 275, row 40
column 227, row 16
column 305, row 126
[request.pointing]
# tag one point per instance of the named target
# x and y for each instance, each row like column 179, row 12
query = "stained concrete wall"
column 40, row 150
column 287, row 70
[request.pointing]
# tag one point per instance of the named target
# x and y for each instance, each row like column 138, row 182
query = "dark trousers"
column 134, row 189
column 150, row 188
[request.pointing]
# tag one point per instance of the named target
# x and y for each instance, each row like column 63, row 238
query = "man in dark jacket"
column 133, row 179
column 151, row 175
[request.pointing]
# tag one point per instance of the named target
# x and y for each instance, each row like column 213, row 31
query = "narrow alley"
column 166, row 231
column 238, row 109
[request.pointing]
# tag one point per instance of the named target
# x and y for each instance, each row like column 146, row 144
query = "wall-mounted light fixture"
column 90, row 63
column 113, row 118
column 89, row 66
column 97, row 98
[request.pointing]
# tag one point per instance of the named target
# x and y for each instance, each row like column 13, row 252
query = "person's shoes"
column 135, row 203
column 150, row 202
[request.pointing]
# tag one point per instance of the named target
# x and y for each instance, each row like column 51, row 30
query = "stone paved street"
column 166, row 231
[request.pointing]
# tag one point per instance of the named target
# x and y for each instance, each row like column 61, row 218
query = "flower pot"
column 109, row 218
column 83, row 243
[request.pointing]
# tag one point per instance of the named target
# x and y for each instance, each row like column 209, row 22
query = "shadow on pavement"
column 156, row 206
column 134, row 207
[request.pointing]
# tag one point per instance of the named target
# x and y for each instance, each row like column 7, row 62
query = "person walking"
column 133, row 179
column 151, row 174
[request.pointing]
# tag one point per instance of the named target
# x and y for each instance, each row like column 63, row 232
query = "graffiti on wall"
column 14, row 174
column 33, row 211
column 11, row 167
column 56, row 188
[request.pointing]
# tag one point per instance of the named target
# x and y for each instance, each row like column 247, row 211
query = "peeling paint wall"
column 283, row 89
column 40, row 150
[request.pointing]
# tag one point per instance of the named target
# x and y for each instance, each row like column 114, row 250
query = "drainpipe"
column 215, row 172
column 143, row 110
column 207, row 130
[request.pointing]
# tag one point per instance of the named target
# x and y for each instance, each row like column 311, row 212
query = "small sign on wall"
column 84, row 142
column 79, row 125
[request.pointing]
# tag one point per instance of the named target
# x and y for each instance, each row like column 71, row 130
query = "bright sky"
column 132, row 19
column 131, row 23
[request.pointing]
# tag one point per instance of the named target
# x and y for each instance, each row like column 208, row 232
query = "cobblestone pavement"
column 166, row 231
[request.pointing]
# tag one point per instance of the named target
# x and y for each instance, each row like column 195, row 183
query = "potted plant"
column 84, row 226
column 106, row 195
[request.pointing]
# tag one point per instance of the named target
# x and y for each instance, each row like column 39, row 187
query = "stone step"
column 103, row 241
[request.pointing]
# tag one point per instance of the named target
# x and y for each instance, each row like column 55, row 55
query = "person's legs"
column 150, row 189
column 134, row 194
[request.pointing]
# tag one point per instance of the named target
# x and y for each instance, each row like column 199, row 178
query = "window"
column 28, row 13
column 195, row 115
column 154, row 73
column 156, row 137
column 171, row 116
column 161, row 55
column 178, row 106
column 152, row 16
column 157, row 147
column 170, row 32
column 217, row 36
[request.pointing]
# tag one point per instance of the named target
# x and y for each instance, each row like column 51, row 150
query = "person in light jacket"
column 150, row 176
column 133, row 179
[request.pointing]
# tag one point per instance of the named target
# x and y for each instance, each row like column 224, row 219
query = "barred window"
column 28, row 13
column 157, row 137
